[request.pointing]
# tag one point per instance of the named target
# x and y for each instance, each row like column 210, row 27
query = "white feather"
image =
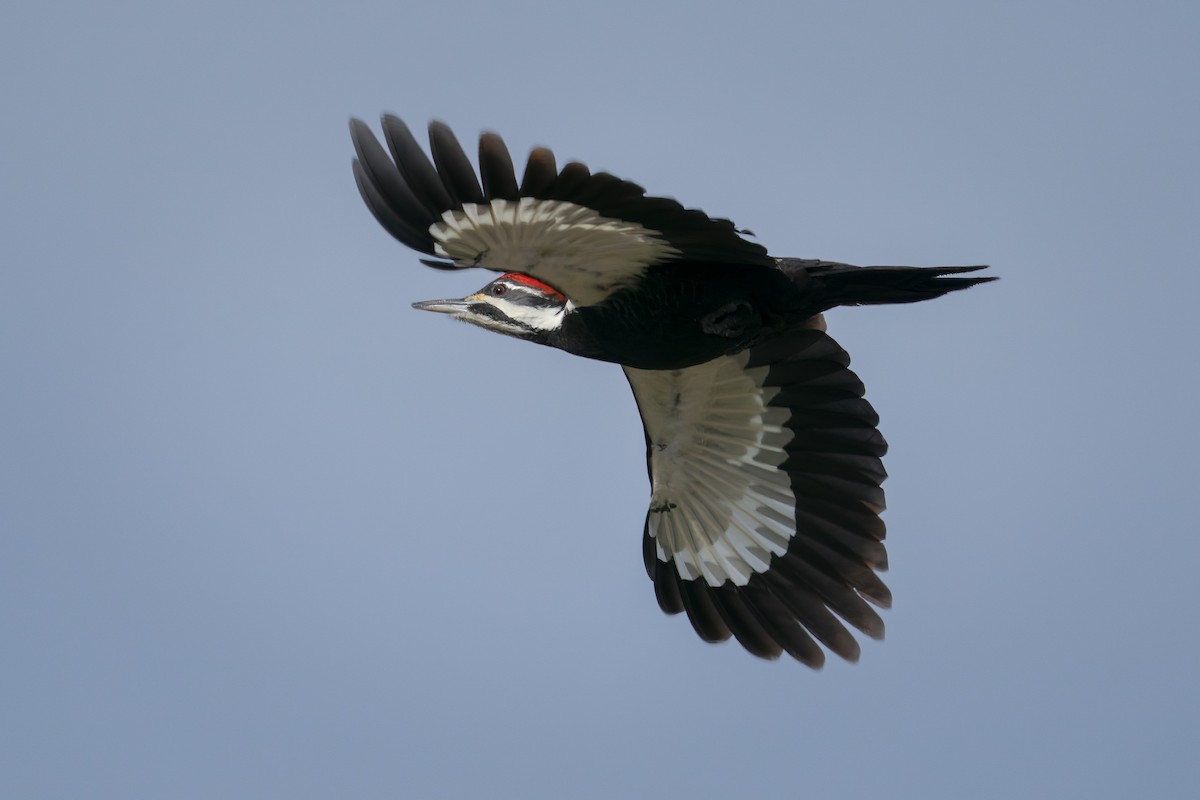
column 571, row 247
column 720, row 507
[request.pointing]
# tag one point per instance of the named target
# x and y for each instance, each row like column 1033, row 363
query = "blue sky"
column 267, row 532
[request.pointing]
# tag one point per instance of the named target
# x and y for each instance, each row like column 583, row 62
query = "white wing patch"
column 719, row 505
column 571, row 247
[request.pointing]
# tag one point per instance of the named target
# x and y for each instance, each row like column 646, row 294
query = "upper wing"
column 587, row 235
column 764, row 513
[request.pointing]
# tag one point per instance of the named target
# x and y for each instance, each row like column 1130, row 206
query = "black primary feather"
column 457, row 174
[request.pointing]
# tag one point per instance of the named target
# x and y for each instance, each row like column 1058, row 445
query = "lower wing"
column 765, row 479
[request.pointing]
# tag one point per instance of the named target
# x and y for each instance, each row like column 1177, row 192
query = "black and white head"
column 514, row 304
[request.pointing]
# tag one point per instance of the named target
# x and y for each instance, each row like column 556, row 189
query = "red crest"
column 534, row 283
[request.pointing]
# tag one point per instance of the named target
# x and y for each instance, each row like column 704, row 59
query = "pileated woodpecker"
column 764, row 458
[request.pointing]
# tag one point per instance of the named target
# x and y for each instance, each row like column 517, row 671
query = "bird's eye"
column 499, row 290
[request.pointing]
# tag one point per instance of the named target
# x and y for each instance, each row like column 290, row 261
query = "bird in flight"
column 763, row 455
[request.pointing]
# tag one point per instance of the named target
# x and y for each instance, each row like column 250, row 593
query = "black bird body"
column 682, row 315
column 764, row 458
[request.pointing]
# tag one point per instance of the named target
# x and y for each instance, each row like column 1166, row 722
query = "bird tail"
column 846, row 285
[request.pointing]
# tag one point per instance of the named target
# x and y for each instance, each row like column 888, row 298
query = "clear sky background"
column 266, row 532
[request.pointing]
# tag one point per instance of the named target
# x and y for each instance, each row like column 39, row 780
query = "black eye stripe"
column 533, row 300
column 523, row 296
